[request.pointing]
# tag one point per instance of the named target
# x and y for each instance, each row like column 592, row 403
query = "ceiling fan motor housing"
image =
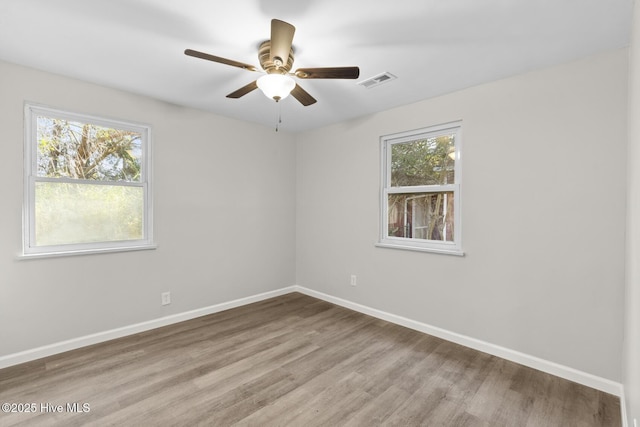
column 264, row 56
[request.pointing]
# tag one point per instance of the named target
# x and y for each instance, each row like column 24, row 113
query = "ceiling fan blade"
column 328, row 73
column 281, row 40
column 302, row 96
column 243, row 90
column 220, row 60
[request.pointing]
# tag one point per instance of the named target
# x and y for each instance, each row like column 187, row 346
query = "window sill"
column 85, row 252
column 454, row 252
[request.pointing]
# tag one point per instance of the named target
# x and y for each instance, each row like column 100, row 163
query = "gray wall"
column 632, row 311
column 543, row 199
column 224, row 215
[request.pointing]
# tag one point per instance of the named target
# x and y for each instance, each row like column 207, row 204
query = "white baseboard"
column 552, row 368
column 72, row 344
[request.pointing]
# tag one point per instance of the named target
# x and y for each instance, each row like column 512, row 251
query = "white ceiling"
column 432, row 46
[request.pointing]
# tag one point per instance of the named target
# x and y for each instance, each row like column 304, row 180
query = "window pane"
column 427, row 216
column 77, row 150
column 80, row 213
column 428, row 161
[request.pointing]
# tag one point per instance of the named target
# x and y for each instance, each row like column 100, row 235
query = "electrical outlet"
column 166, row 298
column 353, row 280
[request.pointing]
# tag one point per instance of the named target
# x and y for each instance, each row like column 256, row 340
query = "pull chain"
column 279, row 116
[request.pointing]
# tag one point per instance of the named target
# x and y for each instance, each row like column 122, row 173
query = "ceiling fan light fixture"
column 276, row 86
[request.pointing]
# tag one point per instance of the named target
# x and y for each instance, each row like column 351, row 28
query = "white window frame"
column 30, row 249
column 386, row 141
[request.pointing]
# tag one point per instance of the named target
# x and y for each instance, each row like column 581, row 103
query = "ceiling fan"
column 276, row 59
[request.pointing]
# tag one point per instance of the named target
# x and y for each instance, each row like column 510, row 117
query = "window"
column 87, row 184
column 420, row 196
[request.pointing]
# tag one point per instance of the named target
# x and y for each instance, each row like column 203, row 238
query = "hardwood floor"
column 293, row 361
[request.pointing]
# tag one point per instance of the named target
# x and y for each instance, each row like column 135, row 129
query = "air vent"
column 377, row 80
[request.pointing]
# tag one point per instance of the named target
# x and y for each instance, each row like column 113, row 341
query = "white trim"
column 29, row 247
column 437, row 130
column 74, row 343
column 86, row 252
column 623, row 409
column 386, row 141
column 420, row 249
column 568, row 373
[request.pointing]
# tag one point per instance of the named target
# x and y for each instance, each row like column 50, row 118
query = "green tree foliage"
column 423, row 162
column 427, row 216
column 81, row 212
column 68, row 149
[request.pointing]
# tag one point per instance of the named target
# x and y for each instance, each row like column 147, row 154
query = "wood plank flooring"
column 293, row 361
